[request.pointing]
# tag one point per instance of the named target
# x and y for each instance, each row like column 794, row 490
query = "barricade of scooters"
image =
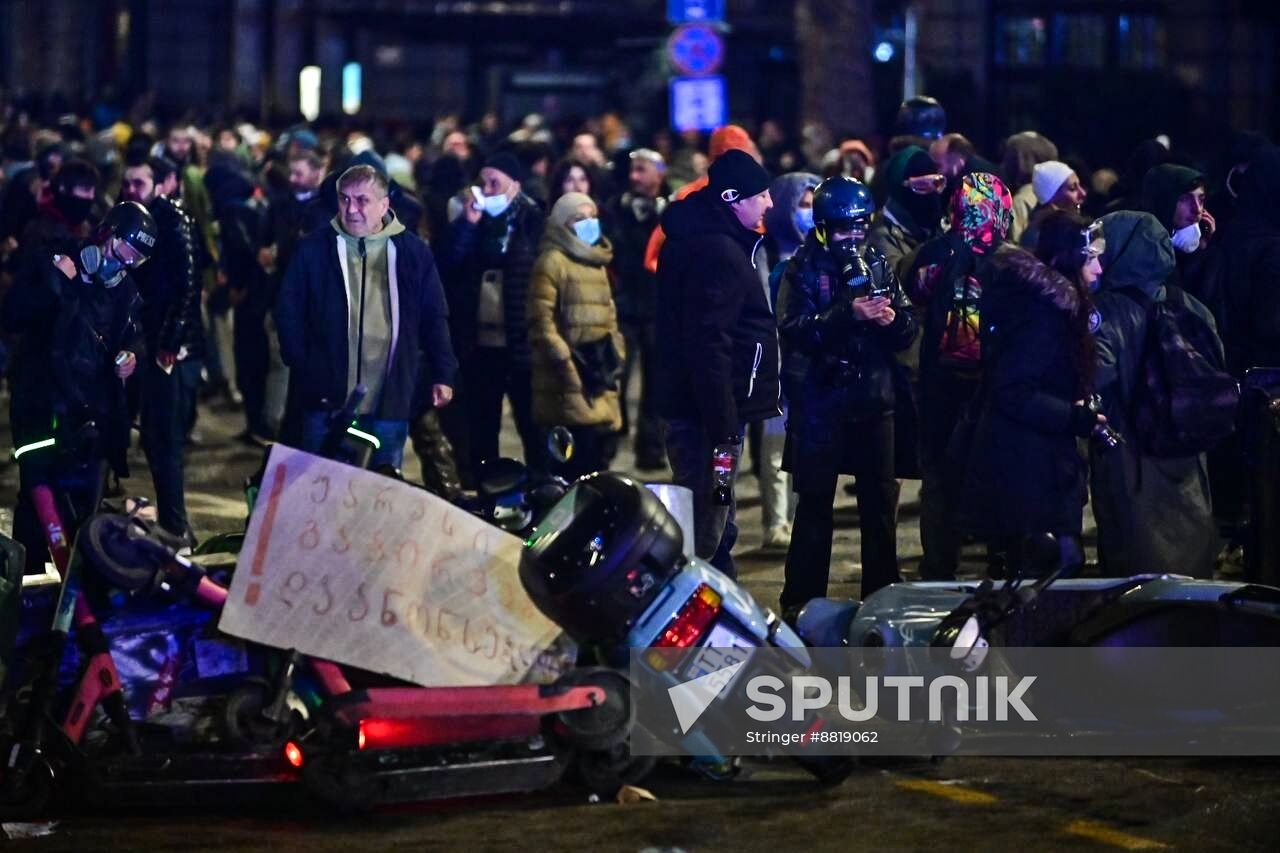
column 603, row 559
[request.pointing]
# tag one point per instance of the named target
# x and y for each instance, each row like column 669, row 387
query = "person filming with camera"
column 842, row 316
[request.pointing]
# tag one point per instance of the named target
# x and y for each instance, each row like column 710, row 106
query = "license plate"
column 724, row 648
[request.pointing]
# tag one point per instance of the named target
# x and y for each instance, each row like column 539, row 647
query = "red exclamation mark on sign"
column 254, row 591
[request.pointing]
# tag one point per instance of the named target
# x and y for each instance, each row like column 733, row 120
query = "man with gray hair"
column 363, row 304
column 634, row 215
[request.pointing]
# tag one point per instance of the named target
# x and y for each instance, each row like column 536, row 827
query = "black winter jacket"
column 312, row 321
column 168, row 284
column 718, row 339
column 632, row 220
column 71, row 331
column 508, row 242
column 1025, row 473
column 837, row 369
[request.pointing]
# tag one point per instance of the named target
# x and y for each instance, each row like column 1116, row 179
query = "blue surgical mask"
column 588, row 231
column 803, row 219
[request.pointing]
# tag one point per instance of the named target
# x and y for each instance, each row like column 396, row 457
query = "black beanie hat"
column 736, row 175
column 509, row 165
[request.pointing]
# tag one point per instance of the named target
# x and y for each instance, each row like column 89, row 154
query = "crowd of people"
column 992, row 327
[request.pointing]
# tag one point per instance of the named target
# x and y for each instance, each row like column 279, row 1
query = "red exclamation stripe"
column 264, row 535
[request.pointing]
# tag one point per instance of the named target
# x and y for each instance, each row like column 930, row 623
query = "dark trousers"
column 168, row 406
column 943, row 401
column 641, row 341
column 868, row 447
column 252, row 360
column 715, row 525
column 435, row 452
column 488, row 376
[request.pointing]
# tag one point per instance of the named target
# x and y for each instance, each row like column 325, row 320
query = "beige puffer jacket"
column 570, row 303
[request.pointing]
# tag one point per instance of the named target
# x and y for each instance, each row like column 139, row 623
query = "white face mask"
column 494, row 205
column 1187, row 239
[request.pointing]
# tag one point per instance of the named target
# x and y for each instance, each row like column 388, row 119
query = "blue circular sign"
column 695, row 50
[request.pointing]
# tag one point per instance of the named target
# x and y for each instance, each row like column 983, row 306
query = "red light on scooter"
column 293, row 754
column 692, row 621
column 360, row 736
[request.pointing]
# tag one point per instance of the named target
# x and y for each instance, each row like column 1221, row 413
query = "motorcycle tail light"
column 693, row 620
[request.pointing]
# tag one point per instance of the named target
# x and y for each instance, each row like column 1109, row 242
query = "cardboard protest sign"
column 353, row 567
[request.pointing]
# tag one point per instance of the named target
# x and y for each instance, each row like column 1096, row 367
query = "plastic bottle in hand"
column 722, row 473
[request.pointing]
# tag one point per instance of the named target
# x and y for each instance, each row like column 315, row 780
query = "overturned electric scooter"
column 1142, row 636
column 363, row 740
column 607, row 565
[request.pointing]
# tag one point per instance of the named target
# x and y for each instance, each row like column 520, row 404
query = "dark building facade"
column 1138, row 67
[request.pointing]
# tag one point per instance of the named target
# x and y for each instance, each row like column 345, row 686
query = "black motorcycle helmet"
column 130, row 223
column 921, row 116
column 600, row 557
column 841, row 203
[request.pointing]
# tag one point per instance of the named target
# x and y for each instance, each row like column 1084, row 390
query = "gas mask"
column 101, row 266
column 847, row 251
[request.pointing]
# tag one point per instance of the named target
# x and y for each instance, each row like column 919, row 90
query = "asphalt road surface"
column 960, row 803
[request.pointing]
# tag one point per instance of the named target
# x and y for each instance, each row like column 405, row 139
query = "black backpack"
column 1184, row 402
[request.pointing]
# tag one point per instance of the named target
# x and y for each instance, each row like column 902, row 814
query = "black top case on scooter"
column 600, row 556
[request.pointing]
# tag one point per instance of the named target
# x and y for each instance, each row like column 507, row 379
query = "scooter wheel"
column 828, row 769
column 605, row 771
column 246, row 727
column 28, row 798
column 603, row 726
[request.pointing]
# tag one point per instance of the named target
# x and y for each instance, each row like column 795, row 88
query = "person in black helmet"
column 842, row 316
column 80, row 341
column 920, row 120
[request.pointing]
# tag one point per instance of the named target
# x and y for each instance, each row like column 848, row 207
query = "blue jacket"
column 311, row 318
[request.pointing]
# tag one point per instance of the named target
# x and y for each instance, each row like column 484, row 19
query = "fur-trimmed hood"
column 1044, row 281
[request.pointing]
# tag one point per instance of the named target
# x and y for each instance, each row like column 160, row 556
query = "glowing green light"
column 364, row 436
column 35, row 445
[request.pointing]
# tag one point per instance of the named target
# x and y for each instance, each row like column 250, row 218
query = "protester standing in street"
column 362, row 304
column 633, row 217
column 1154, row 513
column 945, row 285
column 787, row 224
column 1025, row 474
column 77, row 316
column 842, row 316
column 718, row 358
column 487, row 261
column 577, row 346
column 170, row 291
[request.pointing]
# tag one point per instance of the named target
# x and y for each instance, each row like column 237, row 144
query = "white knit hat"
column 1048, row 177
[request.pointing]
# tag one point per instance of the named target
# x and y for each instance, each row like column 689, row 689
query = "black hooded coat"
column 1153, row 514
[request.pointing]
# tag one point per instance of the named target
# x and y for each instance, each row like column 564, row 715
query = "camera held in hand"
column 1105, row 436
